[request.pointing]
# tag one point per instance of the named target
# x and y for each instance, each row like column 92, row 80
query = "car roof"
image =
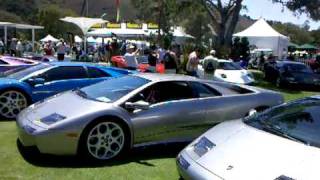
column 165, row 77
column 289, row 62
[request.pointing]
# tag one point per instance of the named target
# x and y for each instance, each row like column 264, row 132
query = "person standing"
column 210, row 64
column 130, row 57
column 2, row 48
column 61, row 50
column 13, row 47
column 19, row 49
column 152, row 60
column 171, row 62
column 193, row 62
column 48, row 49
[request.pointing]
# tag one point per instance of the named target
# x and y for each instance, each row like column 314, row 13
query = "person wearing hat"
column 130, row 57
column 210, row 64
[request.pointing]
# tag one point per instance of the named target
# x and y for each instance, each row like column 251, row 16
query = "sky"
column 271, row 11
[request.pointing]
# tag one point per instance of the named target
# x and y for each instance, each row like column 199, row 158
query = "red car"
column 120, row 62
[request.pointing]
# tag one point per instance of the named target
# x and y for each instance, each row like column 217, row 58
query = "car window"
column 299, row 68
column 300, row 120
column 202, row 91
column 165, row 91
column 229, row 66
column 64, row 72
column 3, row 62
column 97, row 73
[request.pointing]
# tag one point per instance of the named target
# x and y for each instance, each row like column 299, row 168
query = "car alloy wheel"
column 11, row 103
column 105, row 140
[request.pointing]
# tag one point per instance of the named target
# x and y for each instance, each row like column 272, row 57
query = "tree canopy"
column 309, row 7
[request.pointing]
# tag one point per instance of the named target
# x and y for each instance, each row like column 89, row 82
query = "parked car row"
column 99, row 112
column 294, row 74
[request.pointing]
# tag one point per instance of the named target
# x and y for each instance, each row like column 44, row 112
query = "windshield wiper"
column 279, row 131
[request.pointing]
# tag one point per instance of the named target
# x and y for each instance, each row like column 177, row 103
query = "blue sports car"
column 20, row 88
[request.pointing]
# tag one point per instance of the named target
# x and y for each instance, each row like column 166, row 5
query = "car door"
column 172, row 112
column 59, row 79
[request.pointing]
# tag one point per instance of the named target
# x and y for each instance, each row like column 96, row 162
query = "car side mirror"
column 36, row 81
column 137, row 105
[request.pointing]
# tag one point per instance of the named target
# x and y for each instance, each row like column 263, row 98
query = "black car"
column 289, row 73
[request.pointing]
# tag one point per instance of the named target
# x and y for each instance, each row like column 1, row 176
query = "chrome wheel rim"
column 11, row 103
column 105, row 140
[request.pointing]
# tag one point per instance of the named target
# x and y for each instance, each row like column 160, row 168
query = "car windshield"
column 298, row 121
column 22, row 72
column 300, row 68
column 229, row 66
column 112, row 90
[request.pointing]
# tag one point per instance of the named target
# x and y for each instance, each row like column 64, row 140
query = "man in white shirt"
column 61, row 50
column 192, row 64
column 130, row 57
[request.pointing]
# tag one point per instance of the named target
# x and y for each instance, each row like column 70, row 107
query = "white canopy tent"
column 84, row 24
column 6, row 25
column 263, row 36
column 78, row 39
column 126, row 33
column 49, row 38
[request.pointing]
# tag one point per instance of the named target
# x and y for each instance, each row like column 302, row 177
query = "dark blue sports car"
column 20, row 88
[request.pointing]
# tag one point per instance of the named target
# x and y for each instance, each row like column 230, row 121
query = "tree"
column 298, row 34
column 159, row 11
column 224, row 18
column 309, row 7
column 49, row 17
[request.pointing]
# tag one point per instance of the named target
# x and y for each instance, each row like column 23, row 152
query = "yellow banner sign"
column 133, row 26
column 114, row 25
column 153, row 26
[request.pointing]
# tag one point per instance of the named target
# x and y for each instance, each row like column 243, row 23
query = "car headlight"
column 203, row 146
column 224, row 76
column 52, row 118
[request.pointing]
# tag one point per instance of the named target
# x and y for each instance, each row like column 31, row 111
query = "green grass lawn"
column 156, row 162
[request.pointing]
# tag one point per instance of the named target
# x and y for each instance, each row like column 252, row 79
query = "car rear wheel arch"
column 115, row 119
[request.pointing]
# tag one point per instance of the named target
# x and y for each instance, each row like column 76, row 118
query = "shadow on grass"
column 137, row 155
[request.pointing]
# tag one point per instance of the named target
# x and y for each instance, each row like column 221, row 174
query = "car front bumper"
column 48, row 141
column 189, row 169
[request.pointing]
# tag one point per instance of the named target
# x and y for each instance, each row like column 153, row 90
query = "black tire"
column 11, row 103
column 83, row 149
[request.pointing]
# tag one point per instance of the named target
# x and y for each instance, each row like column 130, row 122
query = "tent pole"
column 6, row 37
column 33, row 39
column 85, row 43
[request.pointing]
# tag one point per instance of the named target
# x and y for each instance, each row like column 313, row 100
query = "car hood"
column 243, row 152
column 68, row 104
column 234, row 76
